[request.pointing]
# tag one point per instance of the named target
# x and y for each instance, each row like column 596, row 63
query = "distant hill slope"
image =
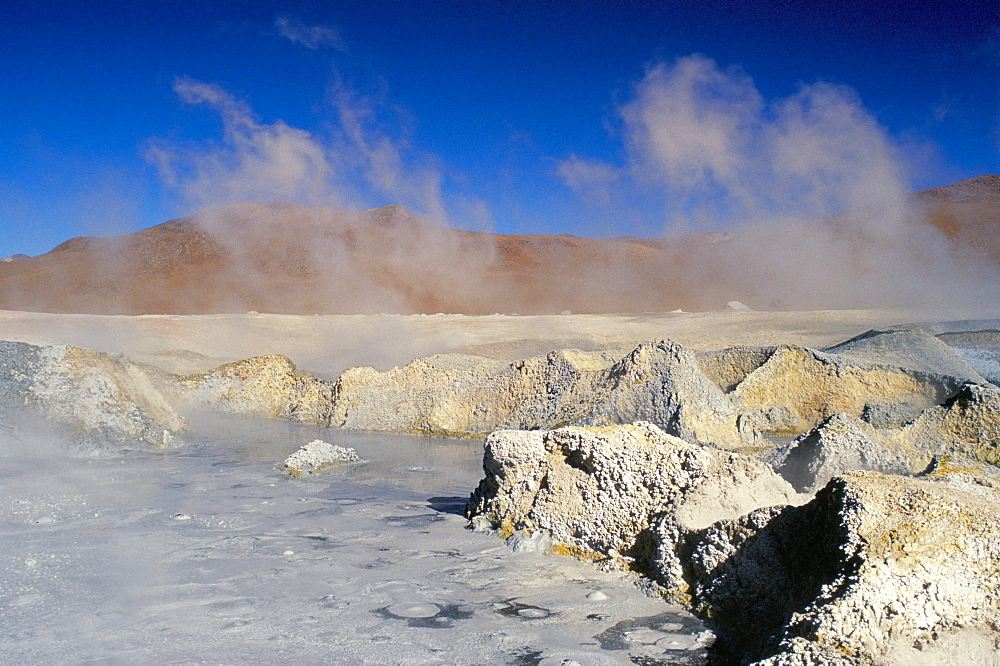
column 968, row 210
column 287, row 258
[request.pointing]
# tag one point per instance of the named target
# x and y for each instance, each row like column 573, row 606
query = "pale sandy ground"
column 327, row 344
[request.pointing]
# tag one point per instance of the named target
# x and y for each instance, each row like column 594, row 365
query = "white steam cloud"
column 721, row 154
column 255, row 161
column 593, row 178
column 357, row 165
column 381, row 160
column 808, row 190
column 268, row 253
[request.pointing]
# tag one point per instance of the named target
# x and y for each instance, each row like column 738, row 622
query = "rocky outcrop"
column 452, row 393
column 911, row 349
column 598, row 491
column 467, row 395
column 979, row 348
column 269, row 386
column 726, row 368
column 840, row 444
column 797, row 389
column 872, row 569
column 965, row 426
column 662, row 383
column 729, row 399
column 97, row 398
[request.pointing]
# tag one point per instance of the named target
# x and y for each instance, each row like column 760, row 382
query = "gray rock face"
column 98, row 399
column 871, row 567
column 726, row 368
column 892, row 415
column 966, row 426
column 912, row 350
column 598, row 491
column 662, row 383
column 979, row 348
column 839, row 444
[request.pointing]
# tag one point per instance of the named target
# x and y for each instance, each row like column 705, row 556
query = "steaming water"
column 210, row 554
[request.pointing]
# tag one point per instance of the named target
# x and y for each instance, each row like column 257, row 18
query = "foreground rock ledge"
column 598, row 491
column 877, row 568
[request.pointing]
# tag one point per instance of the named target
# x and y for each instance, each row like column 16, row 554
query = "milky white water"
column 210, row 554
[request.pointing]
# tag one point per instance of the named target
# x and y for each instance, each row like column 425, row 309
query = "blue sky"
column 592, row 118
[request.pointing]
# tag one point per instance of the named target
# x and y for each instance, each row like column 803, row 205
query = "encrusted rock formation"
column 967, row 426
column 97, row 398
column 727, row 399
column 598, row 491
column 661, row 382
column 796, row 389
column 269, row 386
column 316, row 456
column 731, row 399
column 873, row 567
column 978, row 347
column 912, row 349
column 458, row 394
column 839, row 444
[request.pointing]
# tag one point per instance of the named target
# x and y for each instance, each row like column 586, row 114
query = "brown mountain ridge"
column 288, row 258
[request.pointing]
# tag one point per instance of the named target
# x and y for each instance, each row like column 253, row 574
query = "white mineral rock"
column 597, row 491
column 872, row 567
column 99, row 399
column 318, row 455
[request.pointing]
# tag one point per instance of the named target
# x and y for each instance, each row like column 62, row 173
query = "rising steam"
column 808, row 189
column 806, row 198
column 309, row 249
column 358, row 165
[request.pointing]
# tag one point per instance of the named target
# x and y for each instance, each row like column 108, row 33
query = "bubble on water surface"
column 523, row 611
column 425, row 615
column 413, row 609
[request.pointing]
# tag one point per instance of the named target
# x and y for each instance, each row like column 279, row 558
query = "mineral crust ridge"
column 875, row 568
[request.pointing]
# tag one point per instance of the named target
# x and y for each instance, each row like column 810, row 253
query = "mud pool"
column 209, row 553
